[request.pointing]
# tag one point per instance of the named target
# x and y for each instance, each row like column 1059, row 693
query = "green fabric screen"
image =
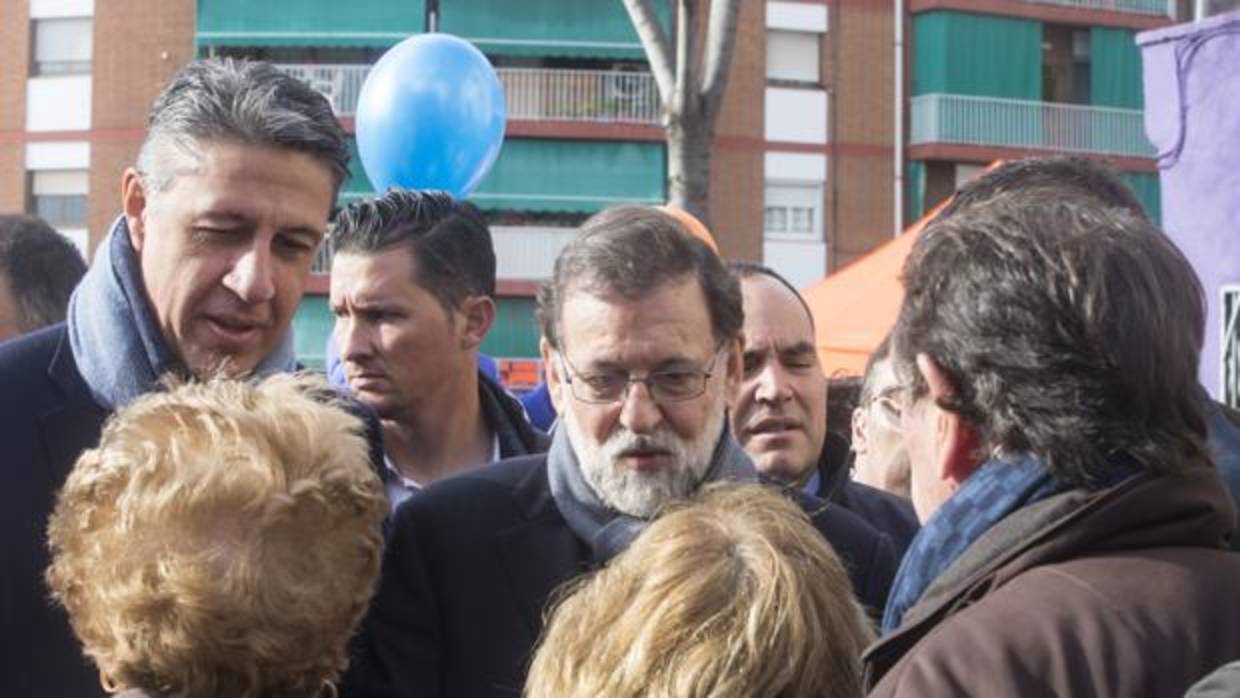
column 578, row 28
column 573, row 176
column 308, row 22
column 358, row 184
column 915, row 189
column 515, row 332
column 967, row 54
column 312, row 325
column 1114, row 68
column 1149, row 193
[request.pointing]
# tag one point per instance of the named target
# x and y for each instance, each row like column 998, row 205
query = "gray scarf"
column 116, row 341
column 607, row 531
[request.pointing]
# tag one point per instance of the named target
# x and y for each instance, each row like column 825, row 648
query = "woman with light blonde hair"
column 222, row 540
column 732, row 594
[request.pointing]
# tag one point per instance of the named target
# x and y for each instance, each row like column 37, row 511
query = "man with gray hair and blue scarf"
column 641, row 344
column 200, row 276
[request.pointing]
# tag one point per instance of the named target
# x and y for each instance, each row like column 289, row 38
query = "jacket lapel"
column 72, row 421
column 541, row 552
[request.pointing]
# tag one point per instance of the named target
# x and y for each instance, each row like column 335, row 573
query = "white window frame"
column 793, row 43
column 791, row 195
column 73, row 59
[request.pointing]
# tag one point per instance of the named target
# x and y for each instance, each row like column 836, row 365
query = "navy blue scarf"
column 116, row 341
column 997, row 489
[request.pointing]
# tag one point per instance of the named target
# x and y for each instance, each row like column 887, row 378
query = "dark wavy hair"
column 1069, row 329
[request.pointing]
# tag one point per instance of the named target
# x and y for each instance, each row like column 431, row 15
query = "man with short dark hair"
column 641, row 342
column 1074, row 522
column 412, row 289
column 39, row 268
column 201, row 275
column 779, row 412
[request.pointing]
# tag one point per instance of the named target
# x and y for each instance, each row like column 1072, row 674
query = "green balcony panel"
column 358, row 184
column 1145, row 186
column 551, row 28
column 915, row 186
column 515, row 332
column 573, row 176
column 968, row 54
column 1114, row 68
column 312, row 324
column 377, row 23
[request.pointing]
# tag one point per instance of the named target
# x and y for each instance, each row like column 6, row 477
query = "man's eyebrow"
column 801, row 347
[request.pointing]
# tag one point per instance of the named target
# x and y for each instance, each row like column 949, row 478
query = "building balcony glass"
column 998, row 122
column 533, row 94
column 1149, row 8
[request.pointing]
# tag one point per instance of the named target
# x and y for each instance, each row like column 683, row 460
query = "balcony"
column 533, row 94
column 1150, row 8
column 994, row 122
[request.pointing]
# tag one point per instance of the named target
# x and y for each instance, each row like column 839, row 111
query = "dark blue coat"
column 47, row 418
column 470, row 567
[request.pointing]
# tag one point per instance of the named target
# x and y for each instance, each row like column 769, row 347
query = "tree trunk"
column 688, row 167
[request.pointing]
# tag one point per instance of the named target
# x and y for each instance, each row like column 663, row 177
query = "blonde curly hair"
column 222, row 540
column 732, row 594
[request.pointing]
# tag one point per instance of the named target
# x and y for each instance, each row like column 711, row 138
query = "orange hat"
column 695, row 227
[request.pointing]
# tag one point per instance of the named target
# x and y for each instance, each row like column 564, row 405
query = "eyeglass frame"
column 705, row 372
column 892, row 407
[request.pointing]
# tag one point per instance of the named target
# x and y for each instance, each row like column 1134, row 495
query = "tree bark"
column 691, row 88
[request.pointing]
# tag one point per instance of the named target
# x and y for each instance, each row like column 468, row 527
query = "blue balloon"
column 430, row 116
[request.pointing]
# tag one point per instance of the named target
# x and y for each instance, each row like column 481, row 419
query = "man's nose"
column 251, row 277
column 639, row 413
column 772, row 385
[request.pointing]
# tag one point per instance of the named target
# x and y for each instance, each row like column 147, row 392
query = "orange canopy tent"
column 856, row 307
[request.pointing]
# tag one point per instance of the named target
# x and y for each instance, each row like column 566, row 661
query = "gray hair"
column 243, row 102
column 632, row 251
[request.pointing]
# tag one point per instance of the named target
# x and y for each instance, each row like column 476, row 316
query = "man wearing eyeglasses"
column 642, row 349
column 880, row 458
column 779, row 413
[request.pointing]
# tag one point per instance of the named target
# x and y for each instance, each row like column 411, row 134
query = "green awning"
column 573, row 176
column 515, row 332
column 378, row 23
column 560, row 176
column 312, row 325
column 970, row 54
column 550, row 28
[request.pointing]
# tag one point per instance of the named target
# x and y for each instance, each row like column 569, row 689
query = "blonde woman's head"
column 733, row 594
column 222, row 540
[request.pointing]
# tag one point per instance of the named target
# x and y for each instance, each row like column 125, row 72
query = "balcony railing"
column 1151, row 8
column 1013, row 123
column 535, row 94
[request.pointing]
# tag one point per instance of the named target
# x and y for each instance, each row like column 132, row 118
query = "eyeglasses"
column 607, row 387
column 890, row 406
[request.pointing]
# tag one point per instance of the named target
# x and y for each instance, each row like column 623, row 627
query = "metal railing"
column 1151, row 8
column 534, row 94
column 1015, row 123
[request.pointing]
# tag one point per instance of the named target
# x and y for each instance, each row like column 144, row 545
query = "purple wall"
column 1192, row 115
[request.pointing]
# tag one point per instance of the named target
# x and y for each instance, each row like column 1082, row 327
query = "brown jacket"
column 1125, row 592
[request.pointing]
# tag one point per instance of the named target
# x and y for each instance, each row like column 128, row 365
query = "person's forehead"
column 773, row 314
column 670, row 322
column 379, row 274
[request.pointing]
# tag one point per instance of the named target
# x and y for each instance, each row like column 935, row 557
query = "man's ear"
column 551, row 374
column 955, row 440
column 478, row 315
column 860, row 422
column 133, row 203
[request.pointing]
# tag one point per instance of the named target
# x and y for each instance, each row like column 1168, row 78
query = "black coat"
column 47, row 418
column 469, row 570
column 887, row 512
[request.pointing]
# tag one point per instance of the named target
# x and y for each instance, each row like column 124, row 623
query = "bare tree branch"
column 686, row 57
column 720, row 46
column 655, row 42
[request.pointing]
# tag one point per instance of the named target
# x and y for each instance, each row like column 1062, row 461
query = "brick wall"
column 139, row 46
column 14, row 67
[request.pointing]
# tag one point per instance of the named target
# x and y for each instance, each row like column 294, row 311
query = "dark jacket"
column 470, row 567
column 47, row 419
column 887, row 512
column 507, row 418
column 1124, row 592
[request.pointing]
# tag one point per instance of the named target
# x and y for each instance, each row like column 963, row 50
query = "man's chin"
column 215, row 364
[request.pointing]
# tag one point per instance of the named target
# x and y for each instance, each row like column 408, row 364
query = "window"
column 1230, row 340
column 59, row 197
column 62, row 46
column 793, row 57
column 793, row 211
